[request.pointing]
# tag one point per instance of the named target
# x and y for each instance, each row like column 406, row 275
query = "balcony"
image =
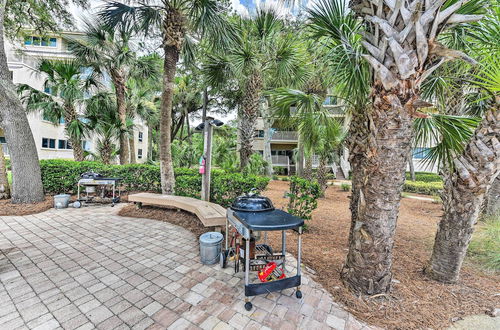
column 5, row 149
column 285, row 136
column 280, row 160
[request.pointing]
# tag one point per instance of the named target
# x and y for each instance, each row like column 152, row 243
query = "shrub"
column 485, row 244
column 425, row 177
column 61, row 176
column 303, row 196
column 420, row 187
column 345, row 186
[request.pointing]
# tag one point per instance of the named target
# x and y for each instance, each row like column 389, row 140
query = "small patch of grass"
column 345, row 186
column 485, row 244
column 436, row 199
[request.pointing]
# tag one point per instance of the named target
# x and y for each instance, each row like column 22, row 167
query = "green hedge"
column 61, row 176
column 425, row 177
column 420, row 187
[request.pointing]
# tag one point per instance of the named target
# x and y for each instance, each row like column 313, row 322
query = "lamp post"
column 207, row 127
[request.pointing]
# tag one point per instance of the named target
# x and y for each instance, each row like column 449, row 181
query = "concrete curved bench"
column 210, row 214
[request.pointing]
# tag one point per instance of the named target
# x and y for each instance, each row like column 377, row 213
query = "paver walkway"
column 89, row 268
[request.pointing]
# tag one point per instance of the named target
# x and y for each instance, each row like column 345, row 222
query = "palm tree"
column 65, row 84
column 263, row 55
column 175, row 20
column 104, row 123
column 401, row 40
column 467, row 182
column 108, row 50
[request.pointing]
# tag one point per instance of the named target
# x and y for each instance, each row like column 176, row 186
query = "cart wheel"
column 77, row 205
column 248, row 306
column 223, row 259
column 298, row 294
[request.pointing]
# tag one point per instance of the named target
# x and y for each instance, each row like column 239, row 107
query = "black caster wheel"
column 298, row 294
column 248, row 306
column 223, row 259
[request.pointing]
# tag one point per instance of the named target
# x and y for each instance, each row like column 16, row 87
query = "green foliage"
column 425, row 177
column 420, row 187
column 60, row 176
column 256, row 165
column 485, row 244
column 345, row 187
column 303, row 196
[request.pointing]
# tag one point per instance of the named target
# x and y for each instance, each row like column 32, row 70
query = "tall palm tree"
column 401, row 41
column 103, row 123
column 177, row 21
column 66, row 84
column 263, row 54
column 110, row 50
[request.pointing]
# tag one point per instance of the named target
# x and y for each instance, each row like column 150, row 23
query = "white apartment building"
column 50, row 139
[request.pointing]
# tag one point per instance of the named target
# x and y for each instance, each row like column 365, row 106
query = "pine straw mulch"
column 416, row 302
column 7, row 208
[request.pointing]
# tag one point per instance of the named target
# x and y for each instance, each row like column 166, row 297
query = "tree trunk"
column 308, row 168
column 299, row 166
column 132, row 150
column 150, row 143
column 492, row 205
column 249, row 113
column 378, row 175
column 166, row 164
column 4, row 182
column 106, row 150
column 322, row 174
column 26, row 175
column 268, row 123
column 76, row 143
column 464, row 189
column 119, row 83
column 412, row 167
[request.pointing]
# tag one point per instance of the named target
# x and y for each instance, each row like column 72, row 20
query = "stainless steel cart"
column 248, row 216
column 109, row 190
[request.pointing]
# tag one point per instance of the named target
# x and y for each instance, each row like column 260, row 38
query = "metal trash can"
column 61, row 201
column 210, row 247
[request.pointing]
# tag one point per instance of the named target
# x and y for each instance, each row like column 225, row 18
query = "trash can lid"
column 62, row 195
column 211, row 237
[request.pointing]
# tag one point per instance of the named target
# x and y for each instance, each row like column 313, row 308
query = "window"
column 61, row 144
column 38, row 41
column 259, row 133
column 47, row 90
column 140, row 137
column 86, row 145
column 420, row 153
column 2, row 139
column 139, row 153
column 48, row 143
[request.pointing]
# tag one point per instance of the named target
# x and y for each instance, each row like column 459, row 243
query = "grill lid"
column 252, row 203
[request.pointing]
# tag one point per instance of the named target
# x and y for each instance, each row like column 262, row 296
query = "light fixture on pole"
column 206, row 160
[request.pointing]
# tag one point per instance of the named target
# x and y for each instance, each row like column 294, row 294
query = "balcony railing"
column 285, row 136
column 280, row 160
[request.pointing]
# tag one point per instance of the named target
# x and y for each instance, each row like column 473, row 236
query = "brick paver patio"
column 89, row 268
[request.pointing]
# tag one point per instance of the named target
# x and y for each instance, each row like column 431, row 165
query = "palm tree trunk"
column 492, row 207
column 166, row 164
column 308, row 168
column 411, row 166
column 322, row 174
column 27, row 179
column 150, row 143
column 464, row 191
column 299, row 166
column 268, row 122
column 119, row 83
column 4, row 182
column 132, row 150
column 378, row 174
column 70, row 116
column 248, row 114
